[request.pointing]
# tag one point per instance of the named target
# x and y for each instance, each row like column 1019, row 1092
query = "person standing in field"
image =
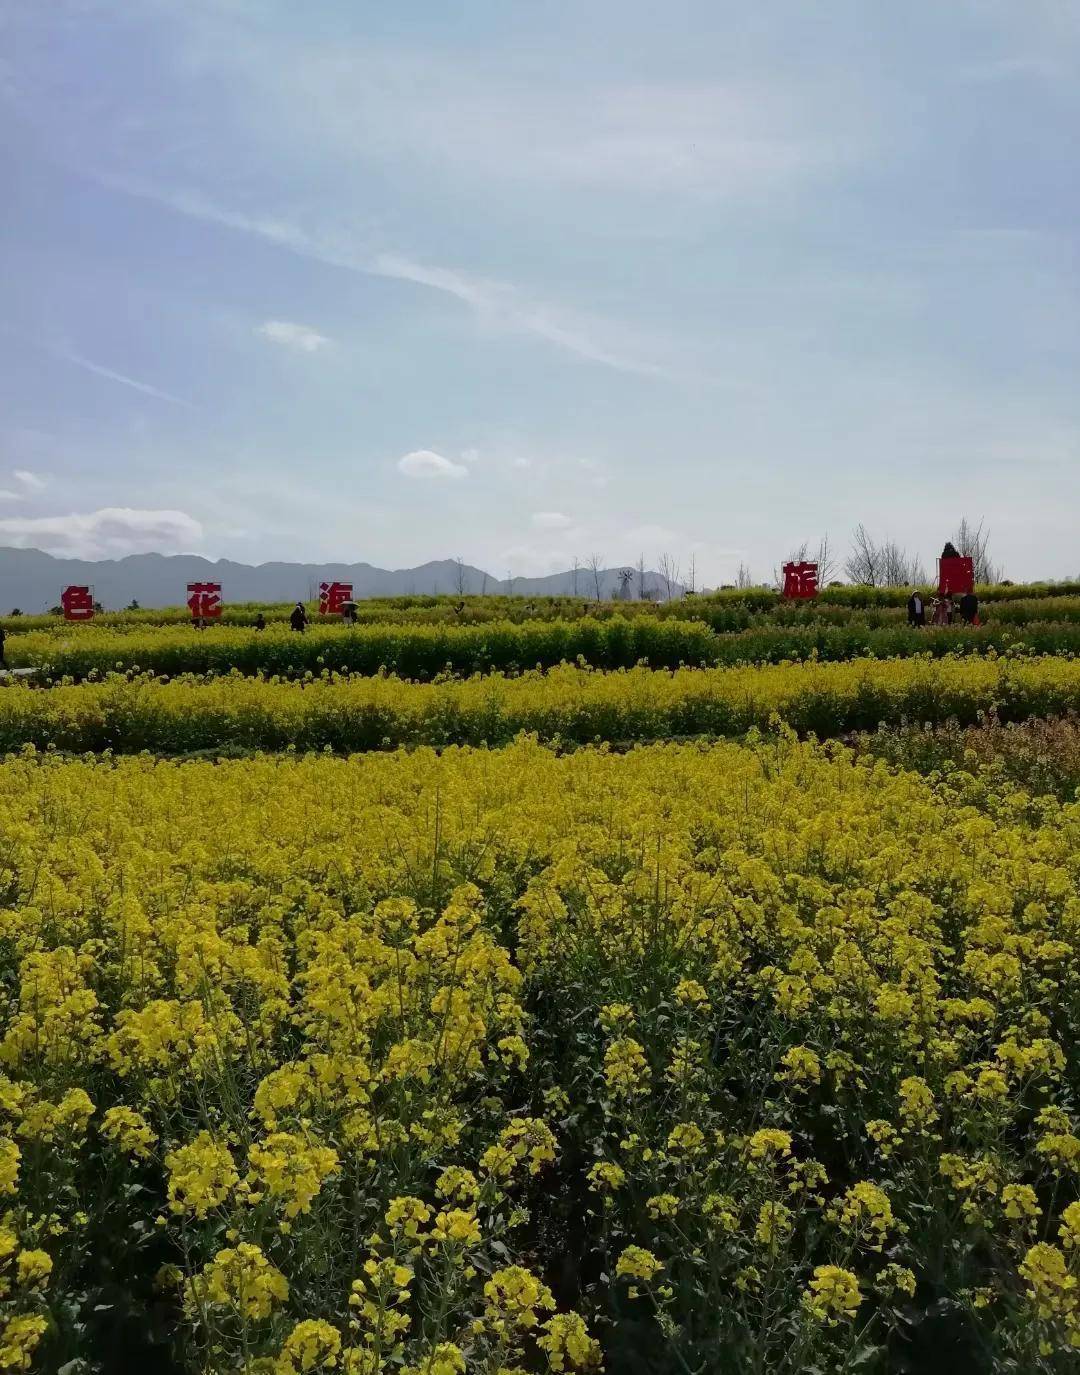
column 969, row 608
column 942, row 611
column 916, row 608
column 298, row 619
column 260, row 621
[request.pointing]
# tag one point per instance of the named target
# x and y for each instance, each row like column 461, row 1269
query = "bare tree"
column 919, row 576
column 641, row 578
column 669, row 571
column 595, row 564
column 895, row 566
column 863, row 564
column 800, row 554
column 826, row 561
column 744, row 578
column 973, row 543
column 575, row 569
column 461, row 578
column 691, row 576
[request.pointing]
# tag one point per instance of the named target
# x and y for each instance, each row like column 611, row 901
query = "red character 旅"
column 800, row 580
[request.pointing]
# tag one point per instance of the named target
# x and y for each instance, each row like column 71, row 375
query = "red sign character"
column 77, row 603
column 204, row 600
column 800, row 580
column 334, row 598
column 956, row 576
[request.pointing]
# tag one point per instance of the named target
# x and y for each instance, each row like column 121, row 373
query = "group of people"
column 943, row 610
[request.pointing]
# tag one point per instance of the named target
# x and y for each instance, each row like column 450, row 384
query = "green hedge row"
column 424, row 651
column 730, row 609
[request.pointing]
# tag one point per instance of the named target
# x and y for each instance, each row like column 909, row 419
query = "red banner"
column 77, row 603
column 800, row 580
column 204, row 600
column 955, row 577
column 334, row 598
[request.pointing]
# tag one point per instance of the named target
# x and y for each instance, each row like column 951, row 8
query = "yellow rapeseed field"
column 573, row 703
column 734, row 1057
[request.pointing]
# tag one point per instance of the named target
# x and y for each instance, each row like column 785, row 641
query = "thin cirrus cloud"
column 29, row 483
column 498, row 306
column 110, row 532
column 132, row 383
column 427, row 464
column 291, row 335
column 551, row 520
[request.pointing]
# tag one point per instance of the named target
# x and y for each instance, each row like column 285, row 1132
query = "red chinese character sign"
column 204, row 600
column 77, row 603
column 335, row 598
column 800, row 580
column 956, row 576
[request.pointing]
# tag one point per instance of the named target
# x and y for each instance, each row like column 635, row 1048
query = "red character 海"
column 334, row 598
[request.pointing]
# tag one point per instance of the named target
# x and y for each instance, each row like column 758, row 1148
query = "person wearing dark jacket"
column 260, row 621
column 298, row 619
column 969, row 608
column 916, row 608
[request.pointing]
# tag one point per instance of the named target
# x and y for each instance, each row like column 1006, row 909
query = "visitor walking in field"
column 916, row 608
column 298, row 619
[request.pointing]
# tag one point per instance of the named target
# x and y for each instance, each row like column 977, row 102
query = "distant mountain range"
column 32, row 580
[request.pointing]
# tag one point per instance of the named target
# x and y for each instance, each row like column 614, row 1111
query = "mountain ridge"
column 32, row 580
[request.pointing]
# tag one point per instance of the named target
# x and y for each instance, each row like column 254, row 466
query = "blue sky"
column 516, row 281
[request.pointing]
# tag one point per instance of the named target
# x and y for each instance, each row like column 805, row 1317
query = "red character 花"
column 77, row 603
column 334, row 598
column 204, row 600
column 800, row 580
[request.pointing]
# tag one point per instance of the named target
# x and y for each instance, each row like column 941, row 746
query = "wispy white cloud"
column 33, row 482
column 551, row 520
column 498, row 119
column 132, row 382
column 425, row 463
column 497, row 305
column 110, row 532
column 294, row 336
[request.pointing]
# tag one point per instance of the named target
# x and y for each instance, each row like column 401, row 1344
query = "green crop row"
column 426, row 651
column 727, row 609
column 570, row 704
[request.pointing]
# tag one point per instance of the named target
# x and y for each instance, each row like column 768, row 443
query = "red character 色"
column 77, row 603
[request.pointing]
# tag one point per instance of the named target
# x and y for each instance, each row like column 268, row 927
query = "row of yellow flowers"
column 743, row 1057
column 131, row 713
